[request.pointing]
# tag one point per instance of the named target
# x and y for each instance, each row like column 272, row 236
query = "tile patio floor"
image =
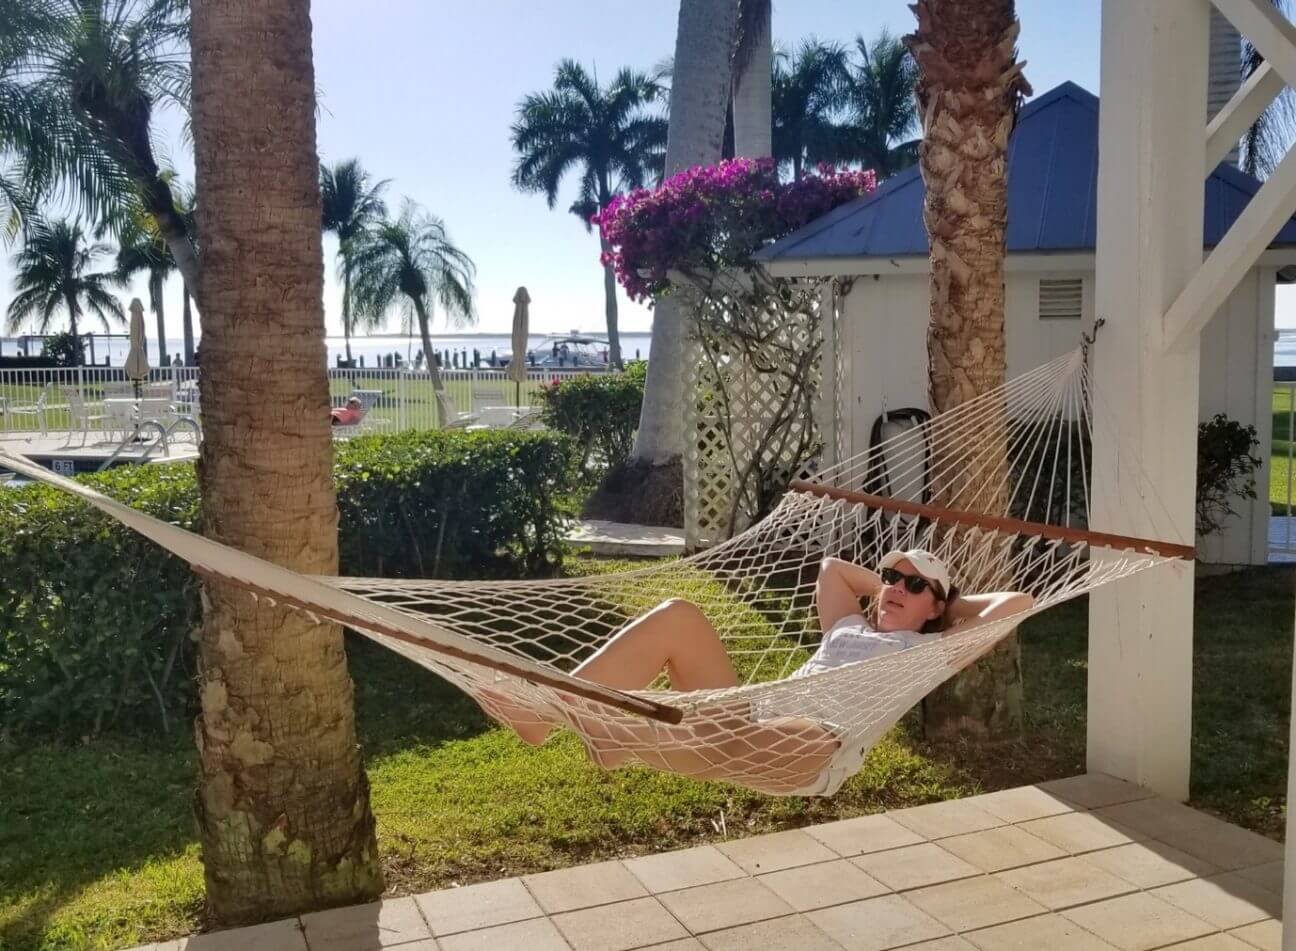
column 1083, row 864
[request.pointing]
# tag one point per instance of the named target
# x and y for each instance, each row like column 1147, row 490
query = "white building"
column 1052, row 210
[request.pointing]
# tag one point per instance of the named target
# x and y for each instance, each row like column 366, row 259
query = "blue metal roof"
column 1052, row 195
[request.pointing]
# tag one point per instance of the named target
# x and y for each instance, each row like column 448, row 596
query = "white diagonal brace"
column 1238, row 114
column 1269, row 31
column 1264, row 216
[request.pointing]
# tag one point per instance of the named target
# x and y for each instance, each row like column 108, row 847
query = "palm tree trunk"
column 610, row 308
column 172, row 228
column 73, row 313
column 187, row 318
column 610, row 287
column 968, row 91
column 752, row 92
column 283, row 807
column 346, row 304
column 429, row 357
column 159, row 309
column 700, row 89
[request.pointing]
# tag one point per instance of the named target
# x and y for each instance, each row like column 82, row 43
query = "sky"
column 423, row 93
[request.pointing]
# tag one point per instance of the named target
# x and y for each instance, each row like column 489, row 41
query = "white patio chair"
column 528, row 419
column 82, row 415
column 450, row 415
column 35, row 410
column 487, row 397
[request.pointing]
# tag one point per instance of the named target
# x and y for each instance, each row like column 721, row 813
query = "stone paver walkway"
column 1083, row 864
column 618, row 539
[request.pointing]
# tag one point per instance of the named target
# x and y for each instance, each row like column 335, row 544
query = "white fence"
column 33, row 399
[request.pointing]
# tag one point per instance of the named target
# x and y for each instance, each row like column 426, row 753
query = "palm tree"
column 603, row 134
column 26, row 146
column 141, row 250
column 879, row 92
column 807, row 97
column 412, row 261
column 649, row 489
column 185, row 206
column 283, row 805
column 53, row 273
column 753, row 68
column 350, row 203
column 1267, row 139
column 109, row 66
column 969, row 88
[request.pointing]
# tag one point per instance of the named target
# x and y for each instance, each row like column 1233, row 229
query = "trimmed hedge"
column 96, row 622
column 599, row 411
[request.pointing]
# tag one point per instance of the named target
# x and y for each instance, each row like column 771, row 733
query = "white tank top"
column 852, row 639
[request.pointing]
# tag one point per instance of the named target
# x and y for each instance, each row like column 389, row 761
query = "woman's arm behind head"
column 981, row 608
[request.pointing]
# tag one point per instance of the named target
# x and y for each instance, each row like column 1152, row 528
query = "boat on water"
column 573, row 351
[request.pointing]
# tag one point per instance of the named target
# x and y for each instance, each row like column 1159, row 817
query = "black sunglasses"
column 914, row 584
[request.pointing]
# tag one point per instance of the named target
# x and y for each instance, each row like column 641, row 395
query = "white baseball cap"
column 924, row 562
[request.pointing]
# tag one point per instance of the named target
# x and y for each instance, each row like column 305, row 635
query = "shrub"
column 452, row 504
column 96, row 621
column 64, row 349
column 1225, row 470
column 1225, row 474
column 600, row 412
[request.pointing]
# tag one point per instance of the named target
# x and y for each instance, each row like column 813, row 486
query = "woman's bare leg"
column 674, row 637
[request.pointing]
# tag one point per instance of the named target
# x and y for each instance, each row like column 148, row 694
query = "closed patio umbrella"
column 137, row 365
column 517, row 368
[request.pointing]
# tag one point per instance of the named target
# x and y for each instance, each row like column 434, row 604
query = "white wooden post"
column 1150, row 216
column 829, row 406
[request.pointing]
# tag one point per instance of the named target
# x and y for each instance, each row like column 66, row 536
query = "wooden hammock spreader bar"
column 589, row 691
column 996, row 523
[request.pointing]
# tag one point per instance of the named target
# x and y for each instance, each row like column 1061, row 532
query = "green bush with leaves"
column 1226, row 465
column 600, row 412
column 96, row 622
column 64, row 349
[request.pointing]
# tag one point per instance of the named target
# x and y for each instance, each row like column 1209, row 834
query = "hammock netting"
column 998, row 488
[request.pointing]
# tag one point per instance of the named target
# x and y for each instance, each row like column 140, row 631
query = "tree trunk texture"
column 700, row 90
column 283, row 807
column 752, row 107
column 610, row 309
column 159, row 310
column 969, row 87
column 187, row 319
column 73, row 328
column 648, row 489
column 429, row 358
column 346, row 307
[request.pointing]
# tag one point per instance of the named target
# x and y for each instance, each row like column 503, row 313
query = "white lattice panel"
column 740, row 396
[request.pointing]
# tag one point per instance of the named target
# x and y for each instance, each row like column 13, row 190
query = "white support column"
column 828, row 418
column 1150, row 213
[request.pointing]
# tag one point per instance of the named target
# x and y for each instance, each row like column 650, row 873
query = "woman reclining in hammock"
column 915, row 604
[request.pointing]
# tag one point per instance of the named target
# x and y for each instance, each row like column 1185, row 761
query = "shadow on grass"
column 401, row 706
column 73, row 815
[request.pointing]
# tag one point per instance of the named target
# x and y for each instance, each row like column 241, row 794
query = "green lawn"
column 416, row 393
column 97, row 847
column 1279, row 468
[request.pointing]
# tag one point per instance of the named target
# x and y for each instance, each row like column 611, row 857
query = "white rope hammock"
column 998, row 488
